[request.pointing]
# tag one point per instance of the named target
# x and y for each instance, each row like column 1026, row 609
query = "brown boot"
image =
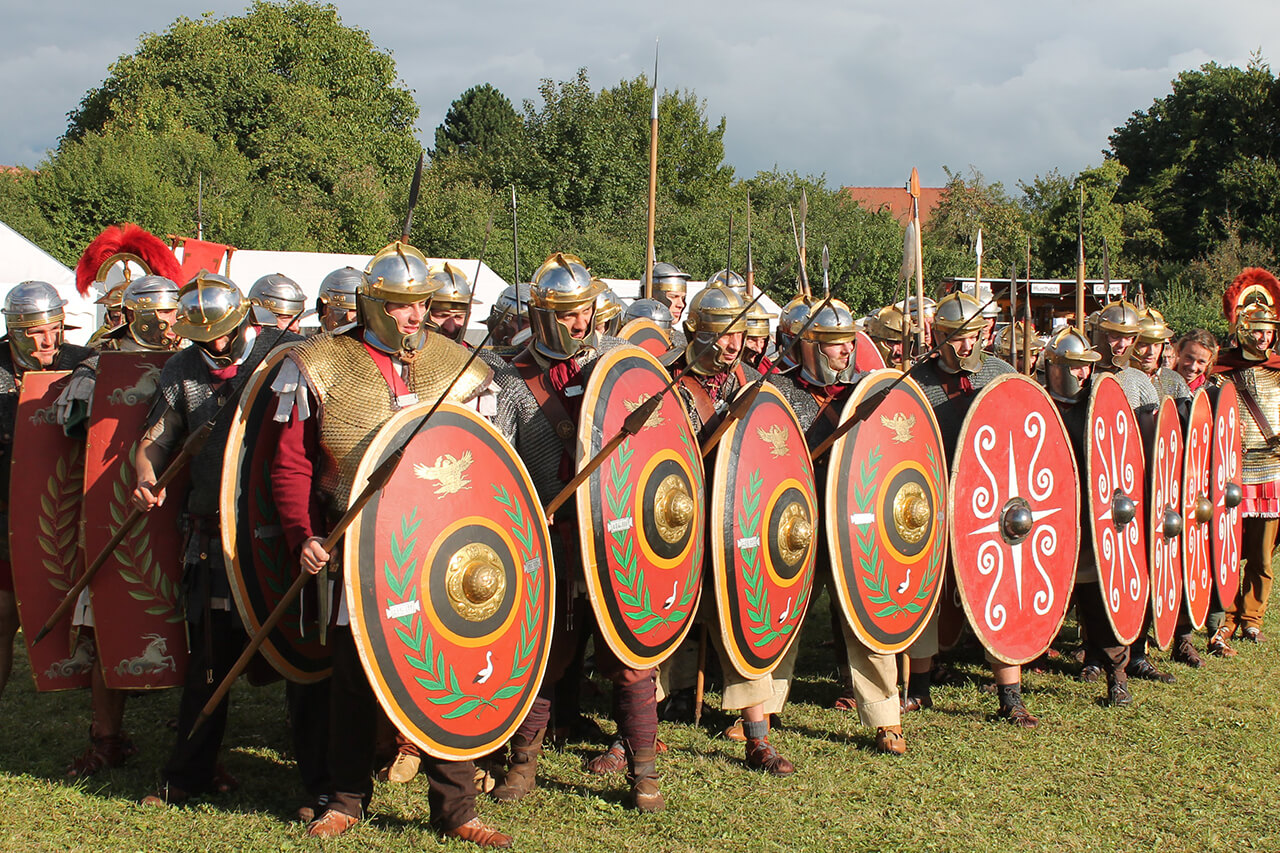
column 522, row 774
column 642, row 775
column 762, row 755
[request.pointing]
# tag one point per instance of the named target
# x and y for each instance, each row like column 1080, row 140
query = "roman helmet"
column 210, row 306
column 116, row 257
column 957, row 316
column 562, row 283
column 338, row 293
column 1249, row 304
column 1015, row 334
column 729, row 279
column 758, row 320
column 143, row 299
column 885, row 327
column 273, row 296
column 609, row 309
column 397, row 274
column 713, row 312
column 1067, row 348
column 509, row 314
column 793, row 317
column 834, row 323
column 453, row 291
column 114, row 297
column 30, row 304
column 649, row 309
column 668, row 278
column 1116, row 318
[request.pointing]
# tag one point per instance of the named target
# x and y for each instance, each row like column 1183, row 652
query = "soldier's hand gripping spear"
column 189, row 449
column 634, row 422
column 868, row 406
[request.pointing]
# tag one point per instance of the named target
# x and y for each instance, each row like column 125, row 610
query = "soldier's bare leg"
column 8, row 631
column 108, row 745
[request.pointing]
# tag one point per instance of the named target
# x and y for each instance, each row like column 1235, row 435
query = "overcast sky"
column 859, row 91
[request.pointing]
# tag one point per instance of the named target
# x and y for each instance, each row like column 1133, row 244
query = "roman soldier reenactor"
column 1115, row 330
column 951, row 380
column 451, row 302
column 885, row 328
column 755, row 340
column 277, row 302
column 336, row 303
column 35, row 322
column 1250, row 305
column 609, row 310
column 194, row 384
column 826, row 378
column 541, row 410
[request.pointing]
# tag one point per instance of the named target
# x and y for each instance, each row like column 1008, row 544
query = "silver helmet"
column 453, row 293
column 729, row 279
column 713, row 313
column 759, row 320
column 1014, row 335
column 793, row 317
column 509, row 314
column 956, row 319
column 144, row 298
column 273, row 296
column 670, row 285
column 210, row 307
column 31, row 304
column 649, row 309
column 562, row 283
column 886, row 329
column 1066, row 349
column 339, row 288
column 397, row 274
column 1117, row 318
column 834, row 323
column 609, row 309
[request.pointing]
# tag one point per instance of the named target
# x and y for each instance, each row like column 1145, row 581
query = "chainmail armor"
column 951, row 411
column 1137, row 386
column 1169, row 383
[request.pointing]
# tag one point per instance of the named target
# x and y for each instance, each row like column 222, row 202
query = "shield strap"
column 702, row 401
column 549, row 401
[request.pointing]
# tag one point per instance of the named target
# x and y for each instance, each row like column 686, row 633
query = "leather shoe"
column 889, row 740
column 1218, row 645
column 1143, row 668
column 612, row 760
column 916, row 703
column 1091, row 672
column 1118, row 695
column 331, row 824
column 169, row 795
column 762, row 755
column 479, row 833
column 1185, row 653
column 402, row 768
column 1252, row 634
column 307, row 811
column 1018, row 715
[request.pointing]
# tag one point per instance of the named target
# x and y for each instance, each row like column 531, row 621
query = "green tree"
column 482, row 126
column 950, row 237
column 1204, row 154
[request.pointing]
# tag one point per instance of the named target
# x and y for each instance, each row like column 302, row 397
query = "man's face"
column 755, row 345
column 676, row 299
column 168, row 316
column 219, row 346
column 46, row 338
column 1119, row 344
column 957, row 349
column 988, row 331
column 448, row 319
column 838, row 355
column 408, row 316
column 1148, row 356
column 1193, row 361
column 1262, row 338
column 288, row 321
column 730, row 346
column 579, row 321
column 114, row 317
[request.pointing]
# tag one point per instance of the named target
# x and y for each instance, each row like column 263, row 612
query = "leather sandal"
column 890, row 740
column 481, row 834
column 612, row 760
column 331, row 824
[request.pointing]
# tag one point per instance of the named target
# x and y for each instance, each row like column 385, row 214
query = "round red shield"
column 763, row 540
column 1225, row 487
column 449, row 583
column 865, row 355
column 259, row 565
column 1165, row 522
column 641, row 514
column 1117, row 507
column 1015, row 518
column 647, row 335
column 1197, row 510
column 886, row 514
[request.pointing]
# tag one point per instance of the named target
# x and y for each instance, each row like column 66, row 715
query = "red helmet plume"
column 1254, row 284
column 127, row 242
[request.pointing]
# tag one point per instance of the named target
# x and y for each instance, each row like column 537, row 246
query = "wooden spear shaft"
column 649, row 255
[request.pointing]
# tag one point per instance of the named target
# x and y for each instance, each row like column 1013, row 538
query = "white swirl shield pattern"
column 1196, row 472
column 1166, row 550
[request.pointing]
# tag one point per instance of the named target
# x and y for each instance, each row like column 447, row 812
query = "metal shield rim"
column 1166, row 413
column 583, row 498
column 831, row 486
column 643, row 324
column 1100, row 382
column 719, row 545
column 354, row 596
column 951, row 509
column 233, row 457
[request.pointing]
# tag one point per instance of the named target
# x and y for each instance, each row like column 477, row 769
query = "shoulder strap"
column 1251, row 403
column 548, row 401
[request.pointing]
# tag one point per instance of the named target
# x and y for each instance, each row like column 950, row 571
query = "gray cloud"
column 859, row 91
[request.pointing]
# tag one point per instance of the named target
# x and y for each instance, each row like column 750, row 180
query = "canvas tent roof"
column 21, row 260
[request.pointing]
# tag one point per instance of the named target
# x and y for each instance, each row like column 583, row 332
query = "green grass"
column 1193, row 766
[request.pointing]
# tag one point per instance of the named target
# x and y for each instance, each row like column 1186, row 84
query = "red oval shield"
column 1225, row 485
column 647, row 335
column 449, row 583
column 47, row 476
column 886, row 514
column 763, row 542
column 141, row 630
column 866, row 357
column 1197, row 510
column 641, row 514
column 259, row 565
column 1164, row 521
column 1015, row 518
column 1117, row 507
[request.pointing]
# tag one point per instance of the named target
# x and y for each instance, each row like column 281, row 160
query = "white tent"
column 628, row 288
column 21, row 260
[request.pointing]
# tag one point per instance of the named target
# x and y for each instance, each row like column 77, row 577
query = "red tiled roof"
column 897, row 201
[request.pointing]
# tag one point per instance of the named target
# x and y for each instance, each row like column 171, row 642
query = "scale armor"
column 186, row 388
column 1259, row 463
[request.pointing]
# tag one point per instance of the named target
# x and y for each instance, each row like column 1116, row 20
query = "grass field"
column 1192, row 766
